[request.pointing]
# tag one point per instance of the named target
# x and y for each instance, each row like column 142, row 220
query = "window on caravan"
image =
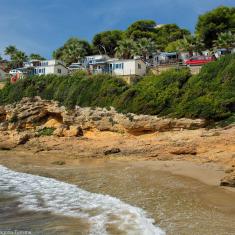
column 119, row 66
column 43, row 63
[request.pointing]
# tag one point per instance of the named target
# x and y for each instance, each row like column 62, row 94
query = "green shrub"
column 46, row 131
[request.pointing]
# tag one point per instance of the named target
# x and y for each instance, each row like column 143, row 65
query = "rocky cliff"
column 36, row 114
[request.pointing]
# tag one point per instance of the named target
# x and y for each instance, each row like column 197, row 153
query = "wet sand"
column 182, row 197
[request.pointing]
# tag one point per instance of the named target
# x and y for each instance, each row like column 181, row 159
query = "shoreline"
column 206, row 173
column 166, row 186
column 205, row 155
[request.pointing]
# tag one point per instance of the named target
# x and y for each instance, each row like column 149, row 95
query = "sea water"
column 103, row 214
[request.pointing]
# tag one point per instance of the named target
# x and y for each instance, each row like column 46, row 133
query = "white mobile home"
column 44, row 67
column 94, row 59
column 131, row 67
column 98, row 64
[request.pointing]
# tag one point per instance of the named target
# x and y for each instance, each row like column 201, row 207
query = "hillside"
column 175, row 93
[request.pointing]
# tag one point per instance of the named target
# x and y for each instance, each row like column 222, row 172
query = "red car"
column 199, row 60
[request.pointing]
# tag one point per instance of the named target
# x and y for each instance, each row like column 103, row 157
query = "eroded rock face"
column 30, row 113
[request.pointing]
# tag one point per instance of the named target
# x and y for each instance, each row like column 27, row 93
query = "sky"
column 41, row 26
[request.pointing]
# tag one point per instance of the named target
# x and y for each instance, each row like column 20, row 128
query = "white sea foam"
column 45, row 194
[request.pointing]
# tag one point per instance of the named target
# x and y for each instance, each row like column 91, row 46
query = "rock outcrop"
column 31, row 113
column 184, row 151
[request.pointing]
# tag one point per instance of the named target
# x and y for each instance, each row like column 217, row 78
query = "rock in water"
column 112, row 151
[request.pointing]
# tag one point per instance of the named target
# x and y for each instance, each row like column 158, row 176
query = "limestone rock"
column 30, row 113
column 184, row 151
column 138, row 124
column 59, row 132
column 52, row 123
column 73, row 131
column 65, row 131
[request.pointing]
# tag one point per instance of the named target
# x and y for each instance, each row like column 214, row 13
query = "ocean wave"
column 38, row 193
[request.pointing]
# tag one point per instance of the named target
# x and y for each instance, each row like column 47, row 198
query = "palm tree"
column 10, row 50
column 18, row 58
column 190, row 44
column 73, row 53
column 126, row 49
column 73, row 50
column 145, row 47
column 225, row 40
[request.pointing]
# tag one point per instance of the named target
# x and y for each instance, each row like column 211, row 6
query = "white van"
column 15, row 71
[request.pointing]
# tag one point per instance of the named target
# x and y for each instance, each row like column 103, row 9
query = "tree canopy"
column 162, row 35
column 106, row 42
column 36, row 57
column 170, row 33
column 214, row 22
column 141, row 25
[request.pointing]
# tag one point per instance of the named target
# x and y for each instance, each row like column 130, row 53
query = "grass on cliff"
column 175, row 93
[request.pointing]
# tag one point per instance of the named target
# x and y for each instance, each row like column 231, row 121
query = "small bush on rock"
column 46, row 131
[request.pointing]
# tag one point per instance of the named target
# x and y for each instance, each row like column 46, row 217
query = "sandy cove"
column 205, row 155
column 183, row 167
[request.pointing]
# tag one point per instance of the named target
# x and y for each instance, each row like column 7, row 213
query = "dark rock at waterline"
column 228, row 180
column 59, row 163
column 112, row 151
